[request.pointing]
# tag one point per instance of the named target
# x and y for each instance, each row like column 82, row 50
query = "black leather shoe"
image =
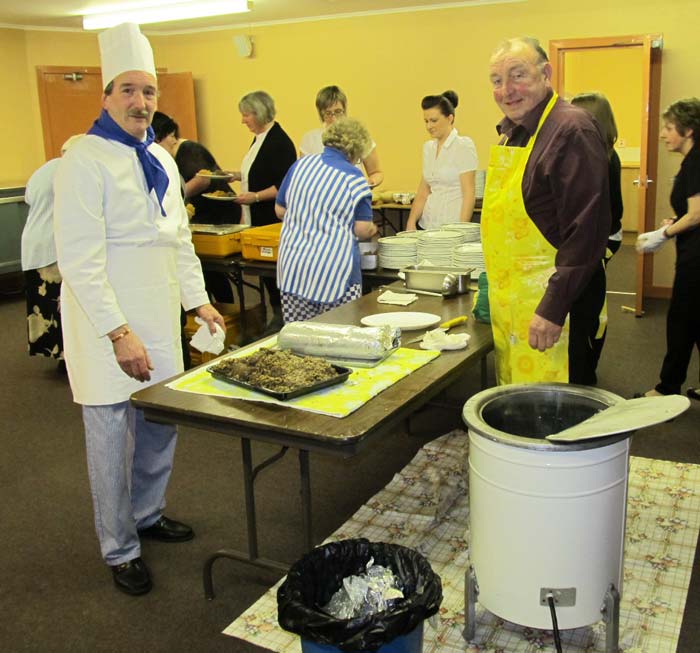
column 132, row 577
column 168, row 530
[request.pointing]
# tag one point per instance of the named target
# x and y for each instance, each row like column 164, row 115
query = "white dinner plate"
column 405, row 320
column 219, row 198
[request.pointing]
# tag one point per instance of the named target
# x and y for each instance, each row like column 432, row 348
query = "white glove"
column 651, row 241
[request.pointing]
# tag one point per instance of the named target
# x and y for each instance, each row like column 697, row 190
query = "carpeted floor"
column 426, row 508
column 57, row 595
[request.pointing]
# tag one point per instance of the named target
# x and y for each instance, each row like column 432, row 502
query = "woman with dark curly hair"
column 681, row 133
column 446, row 191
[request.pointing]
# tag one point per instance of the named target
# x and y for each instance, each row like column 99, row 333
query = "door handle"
column 637, row 181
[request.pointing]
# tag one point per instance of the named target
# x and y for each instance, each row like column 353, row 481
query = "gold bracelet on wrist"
column 257, row 198
column 121, row 334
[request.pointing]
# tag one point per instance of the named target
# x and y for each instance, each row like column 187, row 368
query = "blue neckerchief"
column 156, row 177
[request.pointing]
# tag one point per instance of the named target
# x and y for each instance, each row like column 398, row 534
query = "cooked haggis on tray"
column 280, row 371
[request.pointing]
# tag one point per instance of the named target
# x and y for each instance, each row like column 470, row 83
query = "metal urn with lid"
column 546, row 519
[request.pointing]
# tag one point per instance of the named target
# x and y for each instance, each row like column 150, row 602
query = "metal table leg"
column 471, row 591
column 236, row 277
column 251, row 556
column 305, row 479
column 611, row 617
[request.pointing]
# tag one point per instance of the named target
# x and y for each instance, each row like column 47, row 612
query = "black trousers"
column 584, row 322
column 273, row 292
column 682, row 330
column 218, row 287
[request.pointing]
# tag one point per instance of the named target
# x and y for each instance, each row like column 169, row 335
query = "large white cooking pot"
column 544, row 515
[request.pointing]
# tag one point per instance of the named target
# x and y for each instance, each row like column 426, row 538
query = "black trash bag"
column 312, row 581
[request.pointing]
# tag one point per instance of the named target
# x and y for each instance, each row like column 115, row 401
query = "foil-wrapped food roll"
column 338, row 340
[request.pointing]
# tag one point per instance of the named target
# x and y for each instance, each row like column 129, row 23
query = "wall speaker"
column 244, row 45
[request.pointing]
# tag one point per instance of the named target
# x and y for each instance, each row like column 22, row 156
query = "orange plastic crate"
column 261, row 243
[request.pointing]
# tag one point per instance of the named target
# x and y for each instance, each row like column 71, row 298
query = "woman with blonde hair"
column 264, row 166
column 325, row 204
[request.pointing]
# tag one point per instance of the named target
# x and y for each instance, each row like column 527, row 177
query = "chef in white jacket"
column 126, row 256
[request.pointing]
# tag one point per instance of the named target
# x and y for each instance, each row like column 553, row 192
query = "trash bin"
column 312, row 581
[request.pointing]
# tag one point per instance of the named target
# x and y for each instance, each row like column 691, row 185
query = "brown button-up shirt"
column 565, row 189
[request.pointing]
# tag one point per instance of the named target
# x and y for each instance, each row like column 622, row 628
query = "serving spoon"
column 628, row 415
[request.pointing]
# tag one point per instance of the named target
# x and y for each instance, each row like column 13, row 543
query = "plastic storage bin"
column 217, row 240
column 261, row 243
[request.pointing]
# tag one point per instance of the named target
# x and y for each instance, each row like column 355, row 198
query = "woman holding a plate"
column 191, row 158
column 264, row 166
column 446, row 191
column 198, row 169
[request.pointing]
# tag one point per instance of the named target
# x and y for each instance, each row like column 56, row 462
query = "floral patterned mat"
column 425, row 507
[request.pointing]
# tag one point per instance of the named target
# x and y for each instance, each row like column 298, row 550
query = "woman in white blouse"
column 332, row 104
column 446, row 190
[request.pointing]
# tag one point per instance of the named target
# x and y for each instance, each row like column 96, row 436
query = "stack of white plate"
column 471, row 230
column 396, row 253
column 469, row 255
column 436, row 245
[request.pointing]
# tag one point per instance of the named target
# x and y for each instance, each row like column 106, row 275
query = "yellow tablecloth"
column 336, row 401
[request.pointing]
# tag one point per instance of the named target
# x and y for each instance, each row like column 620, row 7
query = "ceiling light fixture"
column 164, row 13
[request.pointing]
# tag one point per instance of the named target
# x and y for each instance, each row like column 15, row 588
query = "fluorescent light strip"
column 165, row 13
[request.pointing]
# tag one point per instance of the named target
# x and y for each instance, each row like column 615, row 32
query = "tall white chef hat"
column 124, row 48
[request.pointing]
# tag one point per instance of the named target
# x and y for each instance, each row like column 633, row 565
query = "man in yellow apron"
column 545, row 223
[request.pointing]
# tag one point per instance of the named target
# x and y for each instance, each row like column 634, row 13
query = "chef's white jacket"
column 122, row 262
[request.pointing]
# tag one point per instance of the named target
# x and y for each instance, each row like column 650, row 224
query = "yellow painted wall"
column 18, row 128
column 385, row 63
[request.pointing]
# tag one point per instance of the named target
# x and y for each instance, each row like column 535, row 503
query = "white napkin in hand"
column 438, row 339
column 398, row 298
column 206, row 342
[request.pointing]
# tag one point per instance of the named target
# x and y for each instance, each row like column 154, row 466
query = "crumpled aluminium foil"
column 366, row 594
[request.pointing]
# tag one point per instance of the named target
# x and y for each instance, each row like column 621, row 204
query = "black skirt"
column 44, row 312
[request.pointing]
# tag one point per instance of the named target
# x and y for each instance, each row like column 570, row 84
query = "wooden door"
column 70, row 99
column 176, row 98
column 650, row 45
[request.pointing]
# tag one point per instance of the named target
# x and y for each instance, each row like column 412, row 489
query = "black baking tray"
column 343, row 374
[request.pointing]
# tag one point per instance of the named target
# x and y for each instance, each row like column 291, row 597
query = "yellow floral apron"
column 519, row 262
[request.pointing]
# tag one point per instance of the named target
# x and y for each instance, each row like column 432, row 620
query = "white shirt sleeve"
column 466, row 156
column 38, row 247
